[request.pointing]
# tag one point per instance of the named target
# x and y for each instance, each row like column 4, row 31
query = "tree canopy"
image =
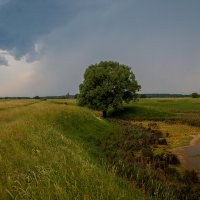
column 107, row 84
column 195, row 95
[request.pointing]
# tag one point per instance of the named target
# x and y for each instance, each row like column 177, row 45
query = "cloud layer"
column 50, row 43
column 3, row 60
column 23, row 22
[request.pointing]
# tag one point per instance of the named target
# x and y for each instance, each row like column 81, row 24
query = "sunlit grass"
column 48, row 149
column 45, row 153
column 177, row 134
column 7, row 104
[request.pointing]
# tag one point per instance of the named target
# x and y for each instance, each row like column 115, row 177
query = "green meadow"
column 47, row 151
column 55, row 149
column 182, row 109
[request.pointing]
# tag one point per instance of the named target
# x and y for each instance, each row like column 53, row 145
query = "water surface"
column 190, row 155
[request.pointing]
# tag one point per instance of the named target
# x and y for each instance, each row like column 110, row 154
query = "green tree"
column 195, row 95
column 107, row 84
column 36, row 97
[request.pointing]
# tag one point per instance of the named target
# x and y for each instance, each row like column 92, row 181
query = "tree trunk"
column 104, row 113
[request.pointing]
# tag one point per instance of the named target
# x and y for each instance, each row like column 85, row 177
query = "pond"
column 190, row 155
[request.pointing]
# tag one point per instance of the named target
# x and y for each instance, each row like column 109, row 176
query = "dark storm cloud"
column 3, row 2
column 23, row 22
column 158, row 39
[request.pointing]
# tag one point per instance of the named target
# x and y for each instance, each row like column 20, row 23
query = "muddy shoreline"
column 188, row 154
column 195, row 140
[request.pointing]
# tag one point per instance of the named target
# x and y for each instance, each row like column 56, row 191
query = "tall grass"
column 45, row 153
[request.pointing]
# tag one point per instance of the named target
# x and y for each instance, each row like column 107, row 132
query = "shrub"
column 190, row 177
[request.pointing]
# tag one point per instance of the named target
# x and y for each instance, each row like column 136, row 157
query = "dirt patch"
column 195, row 140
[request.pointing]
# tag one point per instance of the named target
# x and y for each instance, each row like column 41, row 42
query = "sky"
column 46, row 45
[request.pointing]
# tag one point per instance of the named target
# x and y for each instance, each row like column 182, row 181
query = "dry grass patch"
column 176, row 134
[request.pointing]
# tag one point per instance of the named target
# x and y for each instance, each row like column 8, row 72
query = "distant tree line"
column 75, row 96
column 67, row 96
column 15, row 98
column 157, row 95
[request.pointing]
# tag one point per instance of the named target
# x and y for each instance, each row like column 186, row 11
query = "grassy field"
column 47, row 151
column 180, row 117
column 162, row 109
column 177, row 122
column 52, row 149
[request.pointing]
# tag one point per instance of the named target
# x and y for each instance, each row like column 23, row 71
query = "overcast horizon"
column 45, row 46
